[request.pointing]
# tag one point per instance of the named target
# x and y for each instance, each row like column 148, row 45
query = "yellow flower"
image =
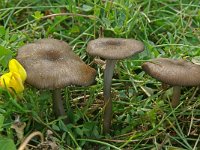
column 15, row 66
column 12, row 81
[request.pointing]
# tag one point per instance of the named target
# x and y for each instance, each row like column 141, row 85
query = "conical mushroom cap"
column 173, row 72
column 114, row 48
column 51, row 64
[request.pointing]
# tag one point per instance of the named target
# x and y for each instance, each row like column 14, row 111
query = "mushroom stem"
column 58, row 105
column 176, row 96
column 108, row 74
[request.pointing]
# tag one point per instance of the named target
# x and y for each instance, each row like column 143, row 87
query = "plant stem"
column 176, row 96
column 108, row 74
column 27, row 140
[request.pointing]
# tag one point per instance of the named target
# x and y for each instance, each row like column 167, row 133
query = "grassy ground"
column 143, row 118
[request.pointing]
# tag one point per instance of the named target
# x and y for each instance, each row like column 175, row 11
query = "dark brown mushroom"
column 173, row 72
column 112, row 49
column 51, row 64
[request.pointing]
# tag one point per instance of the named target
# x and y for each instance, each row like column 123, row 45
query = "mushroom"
column 176, row 73
column 51, row 64
column 112, row 49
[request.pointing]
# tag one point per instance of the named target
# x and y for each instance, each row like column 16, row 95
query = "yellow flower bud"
column 15, row 66
column 12, row 81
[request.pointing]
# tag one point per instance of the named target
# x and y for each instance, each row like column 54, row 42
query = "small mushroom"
column 176, row 73
column 112, row 49
column 51, row 64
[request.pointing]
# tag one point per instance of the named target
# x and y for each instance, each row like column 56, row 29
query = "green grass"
column 143, row 118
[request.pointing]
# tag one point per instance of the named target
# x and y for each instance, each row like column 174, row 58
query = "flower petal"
column 12, row 80
column 15, row 66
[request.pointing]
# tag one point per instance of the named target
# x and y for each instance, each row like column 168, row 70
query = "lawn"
column 143, row 118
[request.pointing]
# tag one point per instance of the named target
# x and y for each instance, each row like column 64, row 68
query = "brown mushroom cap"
column 51, row 64
column 173, row 72
column 114, row 48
